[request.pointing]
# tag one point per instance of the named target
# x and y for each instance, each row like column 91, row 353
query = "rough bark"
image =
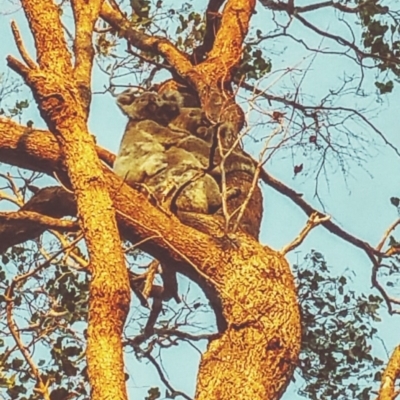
column 62, row 92
column 390, row 376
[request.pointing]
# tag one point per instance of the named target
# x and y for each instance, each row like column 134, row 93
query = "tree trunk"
column 62, row 92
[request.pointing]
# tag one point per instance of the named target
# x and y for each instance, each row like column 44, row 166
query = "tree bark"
column 390, row 376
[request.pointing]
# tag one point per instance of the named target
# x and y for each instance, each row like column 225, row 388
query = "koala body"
column 203, row 143
column 193, row 120
column 142, row 149
column 185, row 184
column 150, row 154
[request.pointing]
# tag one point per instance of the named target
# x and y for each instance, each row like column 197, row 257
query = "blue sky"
column 361, row 206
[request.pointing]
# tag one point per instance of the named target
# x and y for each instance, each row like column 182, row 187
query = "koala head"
column 148, row 106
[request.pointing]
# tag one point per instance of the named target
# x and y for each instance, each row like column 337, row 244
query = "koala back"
column 191, row 120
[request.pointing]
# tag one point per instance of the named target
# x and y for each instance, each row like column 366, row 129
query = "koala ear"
column 128, row 96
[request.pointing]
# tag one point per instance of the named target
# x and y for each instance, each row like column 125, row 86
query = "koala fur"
column 184, row 184
column 202, row 142
column 150, row 106
column 149, row 155
column 142, row 149
column 193, row 120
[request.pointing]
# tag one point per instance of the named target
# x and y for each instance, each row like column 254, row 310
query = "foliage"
column 381, row 37
column 50, row 311
column 339, row 326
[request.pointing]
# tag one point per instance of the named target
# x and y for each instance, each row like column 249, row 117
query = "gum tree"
column 250, row 286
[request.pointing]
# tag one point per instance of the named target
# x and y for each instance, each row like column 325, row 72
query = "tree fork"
column 264, row 315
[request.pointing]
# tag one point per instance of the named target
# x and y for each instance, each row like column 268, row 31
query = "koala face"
column 148, row 106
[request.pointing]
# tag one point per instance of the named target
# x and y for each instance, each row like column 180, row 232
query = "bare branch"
column 151, row 273
column 25, row 218
column 21, row 48
column 309, row 210
column 85, row 19
column 314, row 220
column 387, row 233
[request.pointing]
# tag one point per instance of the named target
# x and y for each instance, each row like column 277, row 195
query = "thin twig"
column 314, row 220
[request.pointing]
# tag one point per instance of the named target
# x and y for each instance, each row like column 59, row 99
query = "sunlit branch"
column 151, row 273
column 314, row 220
column 30, row 217
column 390, row 375
column 50, row 33
column 140, row 40
column 386, row 235
column 21, row 48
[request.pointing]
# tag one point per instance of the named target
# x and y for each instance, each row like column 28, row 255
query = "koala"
column 184, row 185
column 150, row 155
column 172, row 106
column 142, row 149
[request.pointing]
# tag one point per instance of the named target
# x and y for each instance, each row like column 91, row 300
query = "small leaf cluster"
column 16, row 110
column 337, row 333
column 190, row 31
column 381, row 37
column 253, row 64
column 49, row 309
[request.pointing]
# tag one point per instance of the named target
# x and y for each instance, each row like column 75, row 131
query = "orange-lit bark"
column 391, row 374
column 62, row 91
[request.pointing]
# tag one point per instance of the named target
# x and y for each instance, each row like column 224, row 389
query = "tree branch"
column 85, row 19
column 389, row 377
column 63, row 103
column 314, row 220
column 213, row 22
column 48, row 34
